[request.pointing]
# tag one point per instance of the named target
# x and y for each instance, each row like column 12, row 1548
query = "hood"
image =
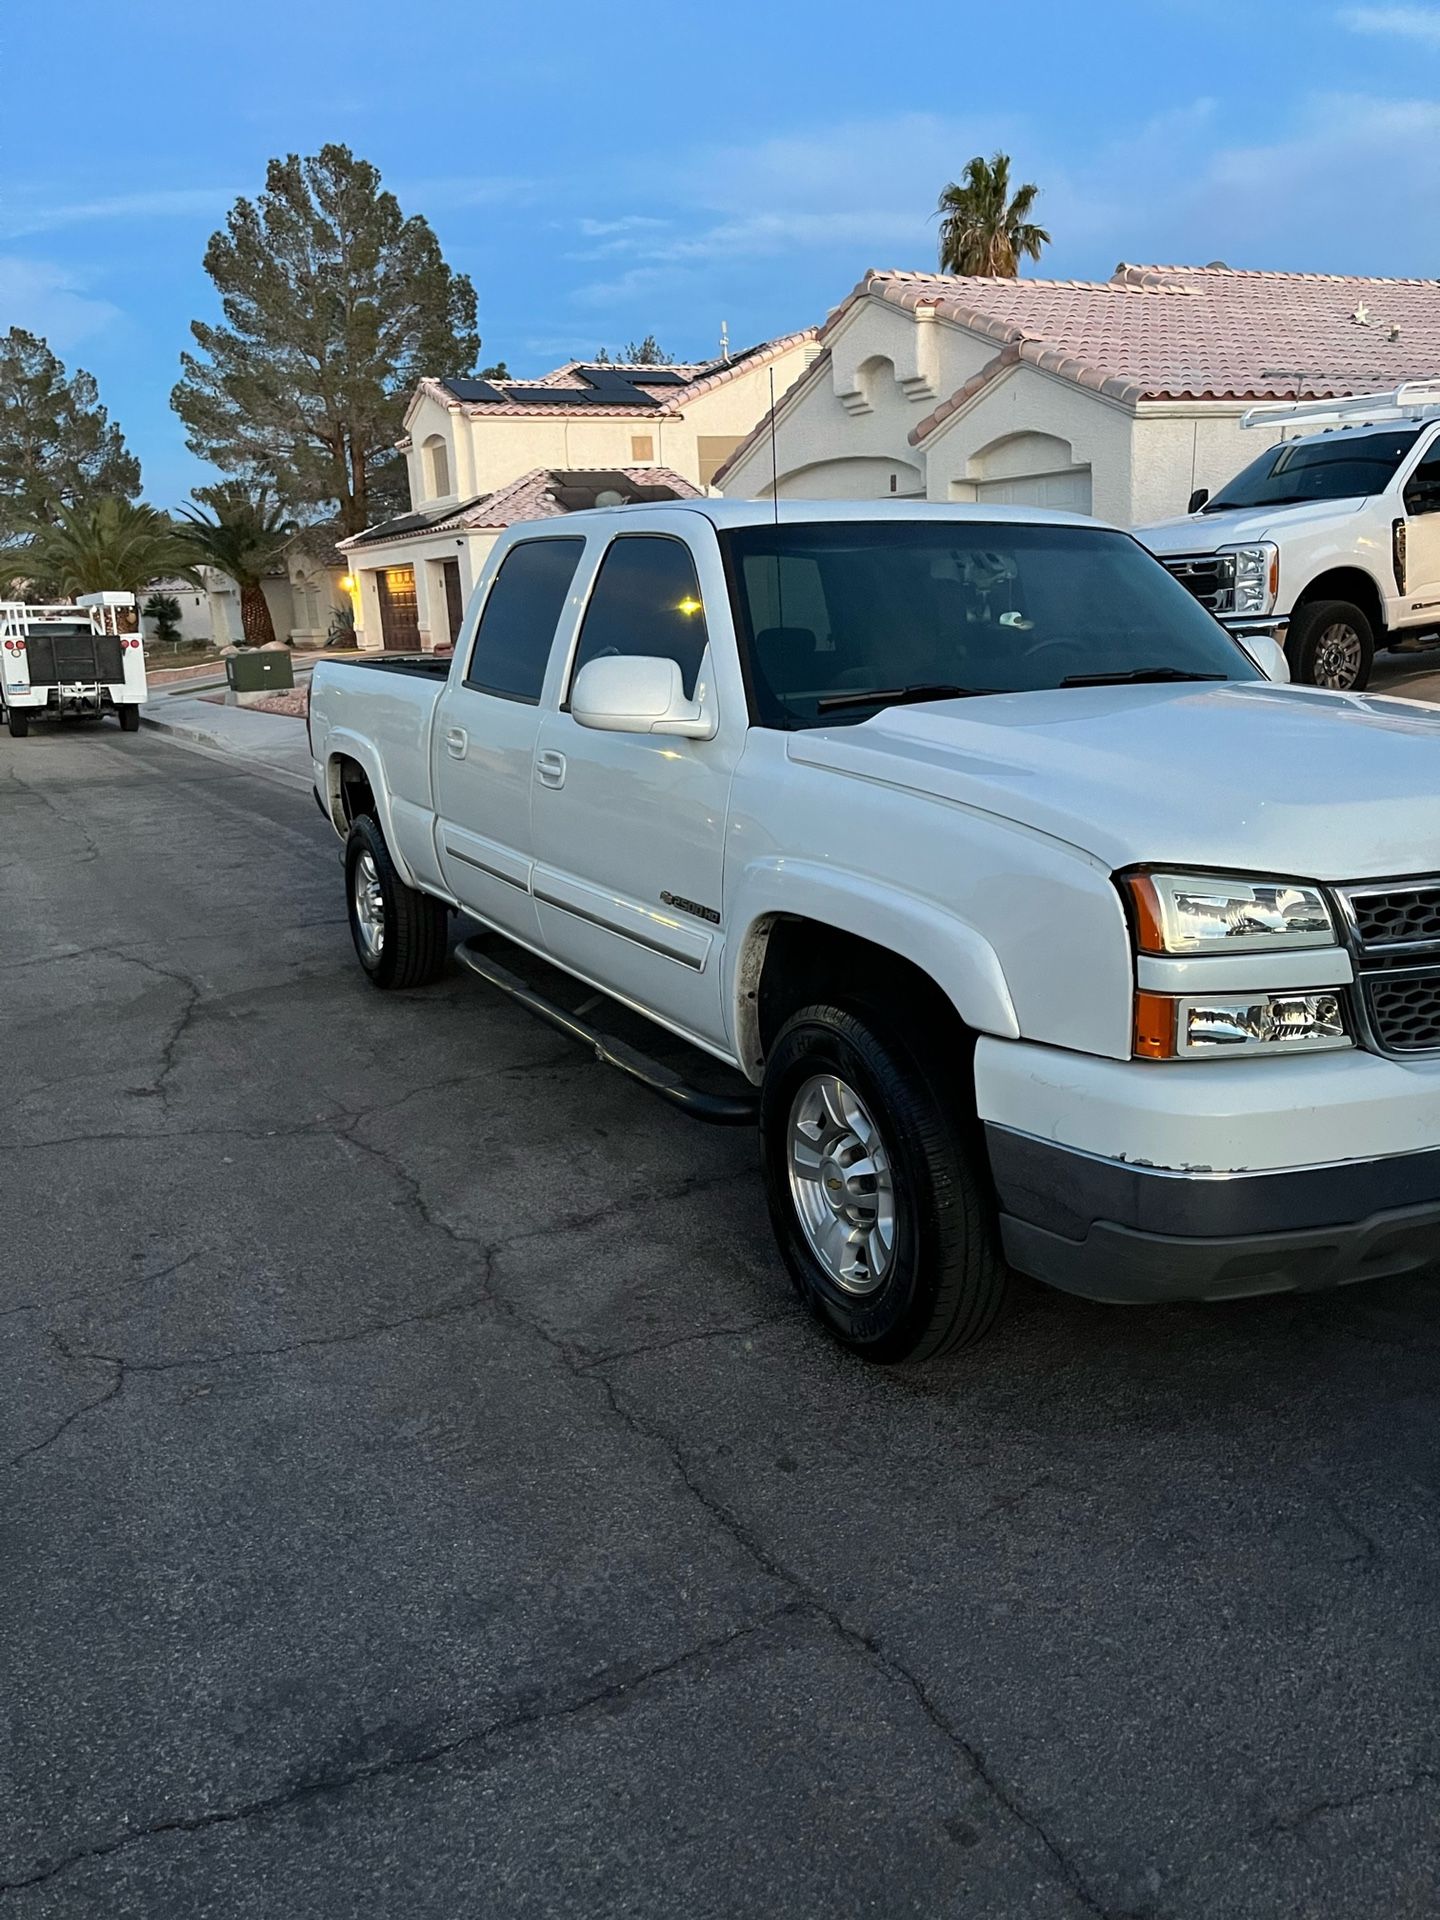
column 1239, row 526
column 1289, row 780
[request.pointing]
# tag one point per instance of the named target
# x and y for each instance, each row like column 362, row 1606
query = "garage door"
column 1066, row 492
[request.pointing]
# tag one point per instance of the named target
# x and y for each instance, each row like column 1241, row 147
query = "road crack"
column 619, row 1688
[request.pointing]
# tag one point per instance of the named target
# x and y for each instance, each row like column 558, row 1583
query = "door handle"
column 550, row 768
column 456, row 741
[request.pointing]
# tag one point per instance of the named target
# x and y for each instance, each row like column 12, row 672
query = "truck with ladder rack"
column 1328, row 541
column 70, row 658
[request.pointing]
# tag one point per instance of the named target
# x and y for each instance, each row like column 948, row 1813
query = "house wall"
column 486, row 452
column 194, row 603
column 426, row 556
column 847, row 435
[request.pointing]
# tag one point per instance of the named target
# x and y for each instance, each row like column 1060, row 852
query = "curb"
column 194, row 739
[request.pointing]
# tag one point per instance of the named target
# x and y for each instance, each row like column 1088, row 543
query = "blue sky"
column 742, row 162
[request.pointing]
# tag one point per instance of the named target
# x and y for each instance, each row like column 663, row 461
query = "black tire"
column 414, row 928
column 129, row 718
column 18, row 722
column 1331, row 643
column 946, row 1281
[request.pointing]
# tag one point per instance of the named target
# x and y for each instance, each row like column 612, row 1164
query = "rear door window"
column 517, row 626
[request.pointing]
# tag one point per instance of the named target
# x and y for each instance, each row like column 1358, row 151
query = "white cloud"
column 48, row 300
column 161, row 203
column 1402, row 23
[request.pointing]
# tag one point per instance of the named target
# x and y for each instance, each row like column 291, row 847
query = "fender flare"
column 341, row 743
column 957, row 957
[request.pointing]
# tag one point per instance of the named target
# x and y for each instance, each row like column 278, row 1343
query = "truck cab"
column 1330, row 540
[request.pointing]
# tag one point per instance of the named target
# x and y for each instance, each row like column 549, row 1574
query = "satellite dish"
column 608, row 497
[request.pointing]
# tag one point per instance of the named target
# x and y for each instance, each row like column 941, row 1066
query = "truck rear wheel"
column 18, row 722
column 880, row 1204
column 129, row 718
column 401, row 936
column 1331, row 644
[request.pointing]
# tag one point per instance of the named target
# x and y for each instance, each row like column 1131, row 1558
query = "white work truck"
column 1330, row 540
column 1041, row 929
column 70, row 658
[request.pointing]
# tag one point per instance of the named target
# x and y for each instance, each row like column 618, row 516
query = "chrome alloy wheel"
column 1337, row 657
column 369, row 907
column 841, row 1184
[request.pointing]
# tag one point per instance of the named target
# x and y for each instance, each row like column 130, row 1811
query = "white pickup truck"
column 1044, row 932
column 1332, row 539
column 70, row 658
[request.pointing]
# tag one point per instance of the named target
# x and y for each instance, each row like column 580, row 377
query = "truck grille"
column 59, row 655
column 1209, row 576
column 1395, row 936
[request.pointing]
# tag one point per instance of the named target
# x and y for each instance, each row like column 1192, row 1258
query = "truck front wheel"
column 1331, row 644
column 129, row 718
column 879, row 1201
column 18, row 722
column 400, row 935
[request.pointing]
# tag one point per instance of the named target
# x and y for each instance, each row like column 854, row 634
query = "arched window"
column 437, row 466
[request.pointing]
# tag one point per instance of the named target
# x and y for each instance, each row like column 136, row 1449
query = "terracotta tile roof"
column 1195, row 333
column 534, row 495
column 661, row 398
column 1172, row 333
column 537, row 495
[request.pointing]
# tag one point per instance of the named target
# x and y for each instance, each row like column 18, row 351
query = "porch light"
column 347, row 583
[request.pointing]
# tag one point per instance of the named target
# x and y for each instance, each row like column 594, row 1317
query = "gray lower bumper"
column 1124, row 1233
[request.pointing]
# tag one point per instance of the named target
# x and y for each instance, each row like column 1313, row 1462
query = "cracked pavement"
column 419, row 1495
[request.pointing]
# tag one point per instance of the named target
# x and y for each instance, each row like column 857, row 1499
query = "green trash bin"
column 258, row 671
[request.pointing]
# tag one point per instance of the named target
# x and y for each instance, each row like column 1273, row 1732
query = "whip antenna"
column 774, row 456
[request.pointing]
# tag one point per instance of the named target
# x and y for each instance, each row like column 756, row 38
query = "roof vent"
column 1217, row 266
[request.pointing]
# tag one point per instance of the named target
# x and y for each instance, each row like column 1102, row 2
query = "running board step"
column 721, row 1109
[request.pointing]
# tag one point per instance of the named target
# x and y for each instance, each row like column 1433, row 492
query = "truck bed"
column 381, row 712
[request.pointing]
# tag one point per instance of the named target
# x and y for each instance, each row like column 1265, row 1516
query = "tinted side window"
column 1422, row 490
column 512, row 644
column 646, row 600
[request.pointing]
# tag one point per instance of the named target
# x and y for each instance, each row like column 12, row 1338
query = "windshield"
column 1351, row 468
column 845, row 608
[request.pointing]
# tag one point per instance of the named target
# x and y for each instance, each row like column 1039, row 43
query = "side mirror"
column 631, row 693
column 1198, row 499
column 1269, row 656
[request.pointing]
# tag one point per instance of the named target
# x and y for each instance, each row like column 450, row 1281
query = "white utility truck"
column 1039, row 929
column 1331, row 540
column 70, row 659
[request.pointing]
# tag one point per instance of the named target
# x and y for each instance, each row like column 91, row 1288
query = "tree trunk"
column 255, row 622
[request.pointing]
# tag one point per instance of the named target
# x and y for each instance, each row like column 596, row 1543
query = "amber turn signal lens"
column 1149, row 934
column 1154, row 1026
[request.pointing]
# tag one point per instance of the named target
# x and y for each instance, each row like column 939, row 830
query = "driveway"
column 420, row 1498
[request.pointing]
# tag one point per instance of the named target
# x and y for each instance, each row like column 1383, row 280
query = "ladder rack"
column 1412, row 400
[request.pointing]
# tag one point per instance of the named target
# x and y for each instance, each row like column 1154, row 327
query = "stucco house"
column 482, row 453
column 1115, row 397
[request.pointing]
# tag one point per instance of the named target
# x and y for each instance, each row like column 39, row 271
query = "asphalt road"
column 419, row 1496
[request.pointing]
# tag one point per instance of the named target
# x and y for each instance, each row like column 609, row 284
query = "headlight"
column 1257, row 577
column 1190, row 913
column 1219, row 1025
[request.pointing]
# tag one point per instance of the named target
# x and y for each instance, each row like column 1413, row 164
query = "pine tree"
column 334, row 305
column 58, row 446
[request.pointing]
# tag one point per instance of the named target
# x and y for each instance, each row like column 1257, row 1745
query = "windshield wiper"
column 897, row 696
column 1136, row 676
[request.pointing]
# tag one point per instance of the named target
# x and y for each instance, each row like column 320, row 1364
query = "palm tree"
column 242, row 536
column 983, row 229
column 100, row 546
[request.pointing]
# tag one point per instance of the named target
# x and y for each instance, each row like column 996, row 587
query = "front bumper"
column 1270, row 626
column 1117, row 1232
column 1136, row 1180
